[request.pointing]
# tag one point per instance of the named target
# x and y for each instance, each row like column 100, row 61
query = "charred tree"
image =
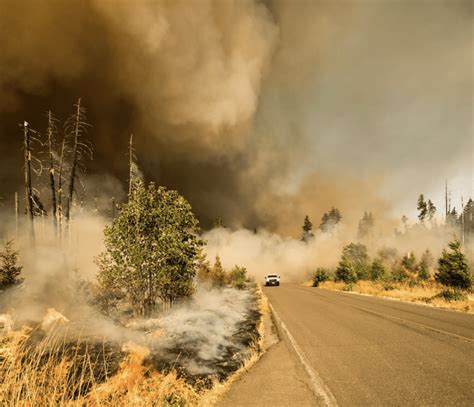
column 60, row 188
column 76, row 130
column 131, row 154
column 28, row 183
column 51, row 161
column 17, row 215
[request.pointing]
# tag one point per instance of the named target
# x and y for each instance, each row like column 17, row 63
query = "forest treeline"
column 388, row 266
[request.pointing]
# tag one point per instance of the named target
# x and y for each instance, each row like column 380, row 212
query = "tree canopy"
column 151, row 249
column 307, row 230
column 330, row 219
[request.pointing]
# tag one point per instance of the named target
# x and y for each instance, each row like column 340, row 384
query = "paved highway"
column 358, row 350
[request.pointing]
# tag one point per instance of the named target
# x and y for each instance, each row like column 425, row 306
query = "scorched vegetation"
column 138, row 316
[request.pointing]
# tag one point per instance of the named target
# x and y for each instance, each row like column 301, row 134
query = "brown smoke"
column 257, row 111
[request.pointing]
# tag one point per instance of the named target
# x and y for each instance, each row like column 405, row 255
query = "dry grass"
column 423, row 293
column 46, row 376
column 44, row 372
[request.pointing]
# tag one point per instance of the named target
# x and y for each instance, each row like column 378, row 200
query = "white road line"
column 317, row 383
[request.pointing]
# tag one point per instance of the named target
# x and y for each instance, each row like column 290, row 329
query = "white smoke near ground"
column 206, row 324
column 269, row 253
column 56, row 296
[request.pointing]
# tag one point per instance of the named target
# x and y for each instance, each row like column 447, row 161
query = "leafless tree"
column 51, row 133
column 31, row 198
column 76, row 131
column 60, row 187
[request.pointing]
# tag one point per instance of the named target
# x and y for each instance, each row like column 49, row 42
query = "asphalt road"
column 365, row 351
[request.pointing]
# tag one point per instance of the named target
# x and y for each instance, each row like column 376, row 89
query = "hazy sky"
column 387, row 92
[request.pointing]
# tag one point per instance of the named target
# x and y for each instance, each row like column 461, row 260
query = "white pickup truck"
column 272, row 279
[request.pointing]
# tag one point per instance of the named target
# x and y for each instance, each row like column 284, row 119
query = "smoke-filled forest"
column 159, row 159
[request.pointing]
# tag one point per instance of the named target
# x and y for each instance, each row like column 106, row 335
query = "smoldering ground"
column 207, row 336
column 251, row 108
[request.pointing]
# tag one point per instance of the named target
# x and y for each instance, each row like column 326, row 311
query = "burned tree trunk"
column 130, row 165
column 52, row 181
column 28, row 184
column 72, row 178
column 17, row 215
column 76, row 129
column 60, row 188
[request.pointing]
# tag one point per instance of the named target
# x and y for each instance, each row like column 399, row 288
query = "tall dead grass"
column 422, row 293
column 44, row 368
column 45, row 374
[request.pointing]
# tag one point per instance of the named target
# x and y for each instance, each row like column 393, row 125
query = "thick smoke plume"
column 251, row 108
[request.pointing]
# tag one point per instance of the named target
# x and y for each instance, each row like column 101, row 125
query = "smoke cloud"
column 257, row 111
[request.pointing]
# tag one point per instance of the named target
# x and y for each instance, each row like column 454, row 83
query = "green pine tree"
column 307, row 230
column 377, row 270
column 409, row 262
column 453, row 268
column 422, row 207
column 218, row 274
column 424, row 266
column 430, row 210
column 10, row 271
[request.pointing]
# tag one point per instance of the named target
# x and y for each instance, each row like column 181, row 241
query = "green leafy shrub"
column 238, row 277
column 320, row 276
column 151, row 249
column 453, row 295
column 345, row 271
column 409, row 262
column 399, row 274
column 348, row 287
column 356, row 254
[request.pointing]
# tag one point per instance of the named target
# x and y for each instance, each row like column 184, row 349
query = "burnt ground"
column 179, row 355
column 235, row 350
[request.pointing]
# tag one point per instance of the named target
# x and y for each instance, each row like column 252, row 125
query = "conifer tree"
column 377, row 270
column 453, row 268
column 430, row 210
column 218, row 274
column 9, row 268
column 345, row 271
column 307, row 230
column 422, row 208
column 425, row 263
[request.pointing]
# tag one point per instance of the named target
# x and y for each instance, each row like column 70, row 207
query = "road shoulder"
column 277, row 379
